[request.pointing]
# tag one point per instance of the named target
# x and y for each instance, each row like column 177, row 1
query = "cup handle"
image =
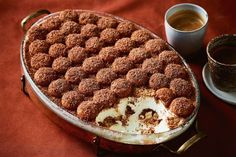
column 32, row 16
column 187, row 144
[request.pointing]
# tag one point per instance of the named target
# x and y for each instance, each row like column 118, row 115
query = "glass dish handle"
column 187, row 144
column 32, row 16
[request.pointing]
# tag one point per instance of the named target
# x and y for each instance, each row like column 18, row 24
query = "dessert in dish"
column 109, row 72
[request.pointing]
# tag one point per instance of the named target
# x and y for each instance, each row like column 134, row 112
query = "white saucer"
column 229, row 97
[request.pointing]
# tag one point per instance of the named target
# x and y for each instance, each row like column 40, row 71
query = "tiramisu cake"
column 110, row 72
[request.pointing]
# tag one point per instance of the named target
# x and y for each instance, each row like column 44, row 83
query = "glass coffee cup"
column 221, row 53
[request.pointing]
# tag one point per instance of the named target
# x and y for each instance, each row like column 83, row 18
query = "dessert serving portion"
column 110, row 72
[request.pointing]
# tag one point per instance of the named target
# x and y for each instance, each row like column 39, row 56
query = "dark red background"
column 25, row 131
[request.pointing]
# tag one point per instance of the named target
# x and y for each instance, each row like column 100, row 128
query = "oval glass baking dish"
column 90, row 131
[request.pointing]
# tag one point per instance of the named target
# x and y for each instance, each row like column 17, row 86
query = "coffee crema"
column 225, row 54
column 186, row 20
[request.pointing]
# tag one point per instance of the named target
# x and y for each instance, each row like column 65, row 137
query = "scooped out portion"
column 141, row 115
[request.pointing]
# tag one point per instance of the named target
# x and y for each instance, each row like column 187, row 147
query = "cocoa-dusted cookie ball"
column 43, row 76
column 61, row 64
column 181, row 87
column 36, row 33
column 137, row 77
column 57, row 87
column 105, row 97
column 75, row 75
column 152, row 65
column 92, row 64
column 122, row 65
column 88, row 110
column 124, row 45
column 106, row 76
column 125, row 28
column 137, row 55
column 71, row 100
column 93, row 44
column 107, row 22
column 74, row 40
column 88, row 86
column 52, row 23
column 182, row 107
column 168, row 57
column 77, row 54
column 108, row 54
column 140, row 36
column 68, row 15
column 85, row 18
column 57, row 50
column 155, row 46
column 109, row 35
column 175, row 71
column 89, row 30
column 70, row 27
column 158, row 81
column 165, row 95
column 121, row 87
column 40, row 60
column 38, row 46
column 55, row 36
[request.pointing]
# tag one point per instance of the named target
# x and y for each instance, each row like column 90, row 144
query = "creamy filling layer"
column 138, row 115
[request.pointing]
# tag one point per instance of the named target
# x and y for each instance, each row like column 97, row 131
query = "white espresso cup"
column 186, row 42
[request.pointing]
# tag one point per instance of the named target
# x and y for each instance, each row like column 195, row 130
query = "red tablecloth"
column 25, row 131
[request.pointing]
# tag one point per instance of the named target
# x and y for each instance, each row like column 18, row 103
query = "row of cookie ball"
column 77, row 53
column 121, row 65
column 92, row 45
column 56, row 33
column 121, row 87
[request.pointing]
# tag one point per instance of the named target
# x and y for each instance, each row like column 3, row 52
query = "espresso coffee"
column 225, row 54
column 186, row 20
